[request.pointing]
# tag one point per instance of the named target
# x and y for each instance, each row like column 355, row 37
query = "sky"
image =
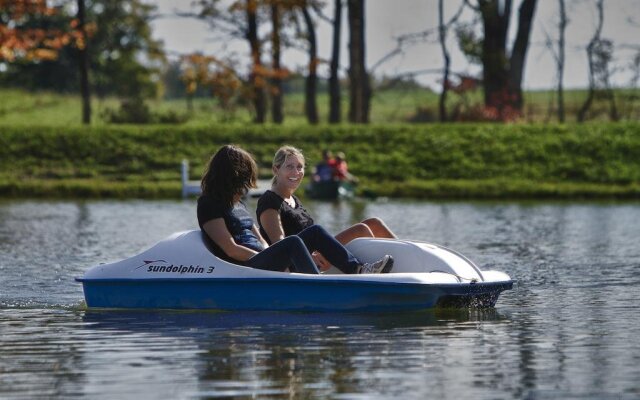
column 386, row 20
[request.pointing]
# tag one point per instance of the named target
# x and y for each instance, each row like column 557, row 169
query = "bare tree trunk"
column 255, row 78
column 502, row 75
column 190, row 103
column 360, row 91
column 442, row 35
column 519, row 52
column 561, row 54
column 613, row 108
column 276, row 81
column 633, row 84
column 582, row 114
column 494, row 57
column 311, row 83
column 443, row 28
column 335, row 114
column 83, row 61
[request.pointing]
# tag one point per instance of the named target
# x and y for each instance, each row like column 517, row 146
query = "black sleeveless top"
column 294, row 219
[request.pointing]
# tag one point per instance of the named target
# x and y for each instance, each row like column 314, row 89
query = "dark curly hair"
column 231, row 171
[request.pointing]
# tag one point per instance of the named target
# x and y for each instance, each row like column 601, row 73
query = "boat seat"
column 207, row 244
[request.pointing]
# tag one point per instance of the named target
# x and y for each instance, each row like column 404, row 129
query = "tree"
column 25, row 33
column 443, row 28
column 276, row 80
column 502, row 74
column 256, row 76
column 599, row 55
column 311, row 82
column 240, row 19
column 291, row 9
column 335, row 113
column 562, row 27
column 559, row 57
column 199, row 75
column 216, row 76
column 32, row 32
column 83, row 64
column 124, row 59
column 359, row 86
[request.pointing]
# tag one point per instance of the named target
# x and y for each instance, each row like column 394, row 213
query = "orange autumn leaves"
column 221, row 77
column 22, row 39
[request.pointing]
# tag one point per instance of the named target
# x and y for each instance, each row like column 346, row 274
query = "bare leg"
column 379, row 228
column 352, row 232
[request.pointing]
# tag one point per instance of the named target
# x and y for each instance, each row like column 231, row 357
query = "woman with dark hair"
column 233, row 236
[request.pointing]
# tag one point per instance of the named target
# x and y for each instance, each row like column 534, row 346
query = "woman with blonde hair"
column 281, row 214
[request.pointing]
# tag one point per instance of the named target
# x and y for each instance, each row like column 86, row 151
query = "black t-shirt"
column 294, row 219
column 237, row 219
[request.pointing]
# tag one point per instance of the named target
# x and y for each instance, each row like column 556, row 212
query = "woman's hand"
column 320, row 261
column 256, row 232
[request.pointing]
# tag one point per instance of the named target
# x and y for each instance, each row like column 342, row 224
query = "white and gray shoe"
column 382, row 266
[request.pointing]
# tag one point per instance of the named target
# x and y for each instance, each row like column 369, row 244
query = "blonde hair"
column 281, row 157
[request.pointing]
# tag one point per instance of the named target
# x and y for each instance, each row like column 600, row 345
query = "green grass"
column 598, row 160
column 19, row 108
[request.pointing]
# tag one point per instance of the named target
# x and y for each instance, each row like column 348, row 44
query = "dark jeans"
column 289, row 252
column 317, row 238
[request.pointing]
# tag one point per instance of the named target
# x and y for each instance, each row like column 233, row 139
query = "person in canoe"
column 233, row 236
column 325, row 170
column 281, row 214
column 341, row 169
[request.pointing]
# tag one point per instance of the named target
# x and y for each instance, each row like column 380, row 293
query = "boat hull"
column 286, row 294
column 180, row 272
column 330, row 190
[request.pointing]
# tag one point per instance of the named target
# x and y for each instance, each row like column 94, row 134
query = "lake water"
column 570, row 328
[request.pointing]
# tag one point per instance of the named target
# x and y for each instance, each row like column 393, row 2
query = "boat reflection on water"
column 190, row 321
column 263, row 354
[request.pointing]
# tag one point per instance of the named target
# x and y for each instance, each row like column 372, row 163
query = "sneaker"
column 382, row 266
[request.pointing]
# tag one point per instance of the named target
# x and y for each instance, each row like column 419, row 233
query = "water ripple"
column 568, row 329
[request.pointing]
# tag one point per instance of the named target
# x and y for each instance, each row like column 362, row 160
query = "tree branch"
column 402, row 42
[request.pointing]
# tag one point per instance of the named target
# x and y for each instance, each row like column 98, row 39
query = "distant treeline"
column 104, row 48
column 420, row 161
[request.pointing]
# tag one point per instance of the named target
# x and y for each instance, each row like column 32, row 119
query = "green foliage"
column 470, row 42
column 136, row 111
column 444, row 161
column 131, row 111
column 125, row 58
column 124, row 38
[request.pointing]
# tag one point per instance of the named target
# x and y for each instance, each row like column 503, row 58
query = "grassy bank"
column 391, row 105
column 421, row 161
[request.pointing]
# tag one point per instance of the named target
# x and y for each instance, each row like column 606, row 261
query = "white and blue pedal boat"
column 180, row 272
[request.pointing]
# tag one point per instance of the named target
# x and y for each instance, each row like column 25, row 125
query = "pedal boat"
column 180, row 272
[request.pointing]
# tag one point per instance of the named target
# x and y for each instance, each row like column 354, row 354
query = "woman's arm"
column 272, row 225
column 256, row 232
column 218, row 232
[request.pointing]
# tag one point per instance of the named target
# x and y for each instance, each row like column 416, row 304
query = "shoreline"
column 419, row 190
column 431, row 161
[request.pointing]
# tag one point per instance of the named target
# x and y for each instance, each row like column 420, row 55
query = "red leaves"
column 18, row 41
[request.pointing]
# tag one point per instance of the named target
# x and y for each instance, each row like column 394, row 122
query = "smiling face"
column 289, row 174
